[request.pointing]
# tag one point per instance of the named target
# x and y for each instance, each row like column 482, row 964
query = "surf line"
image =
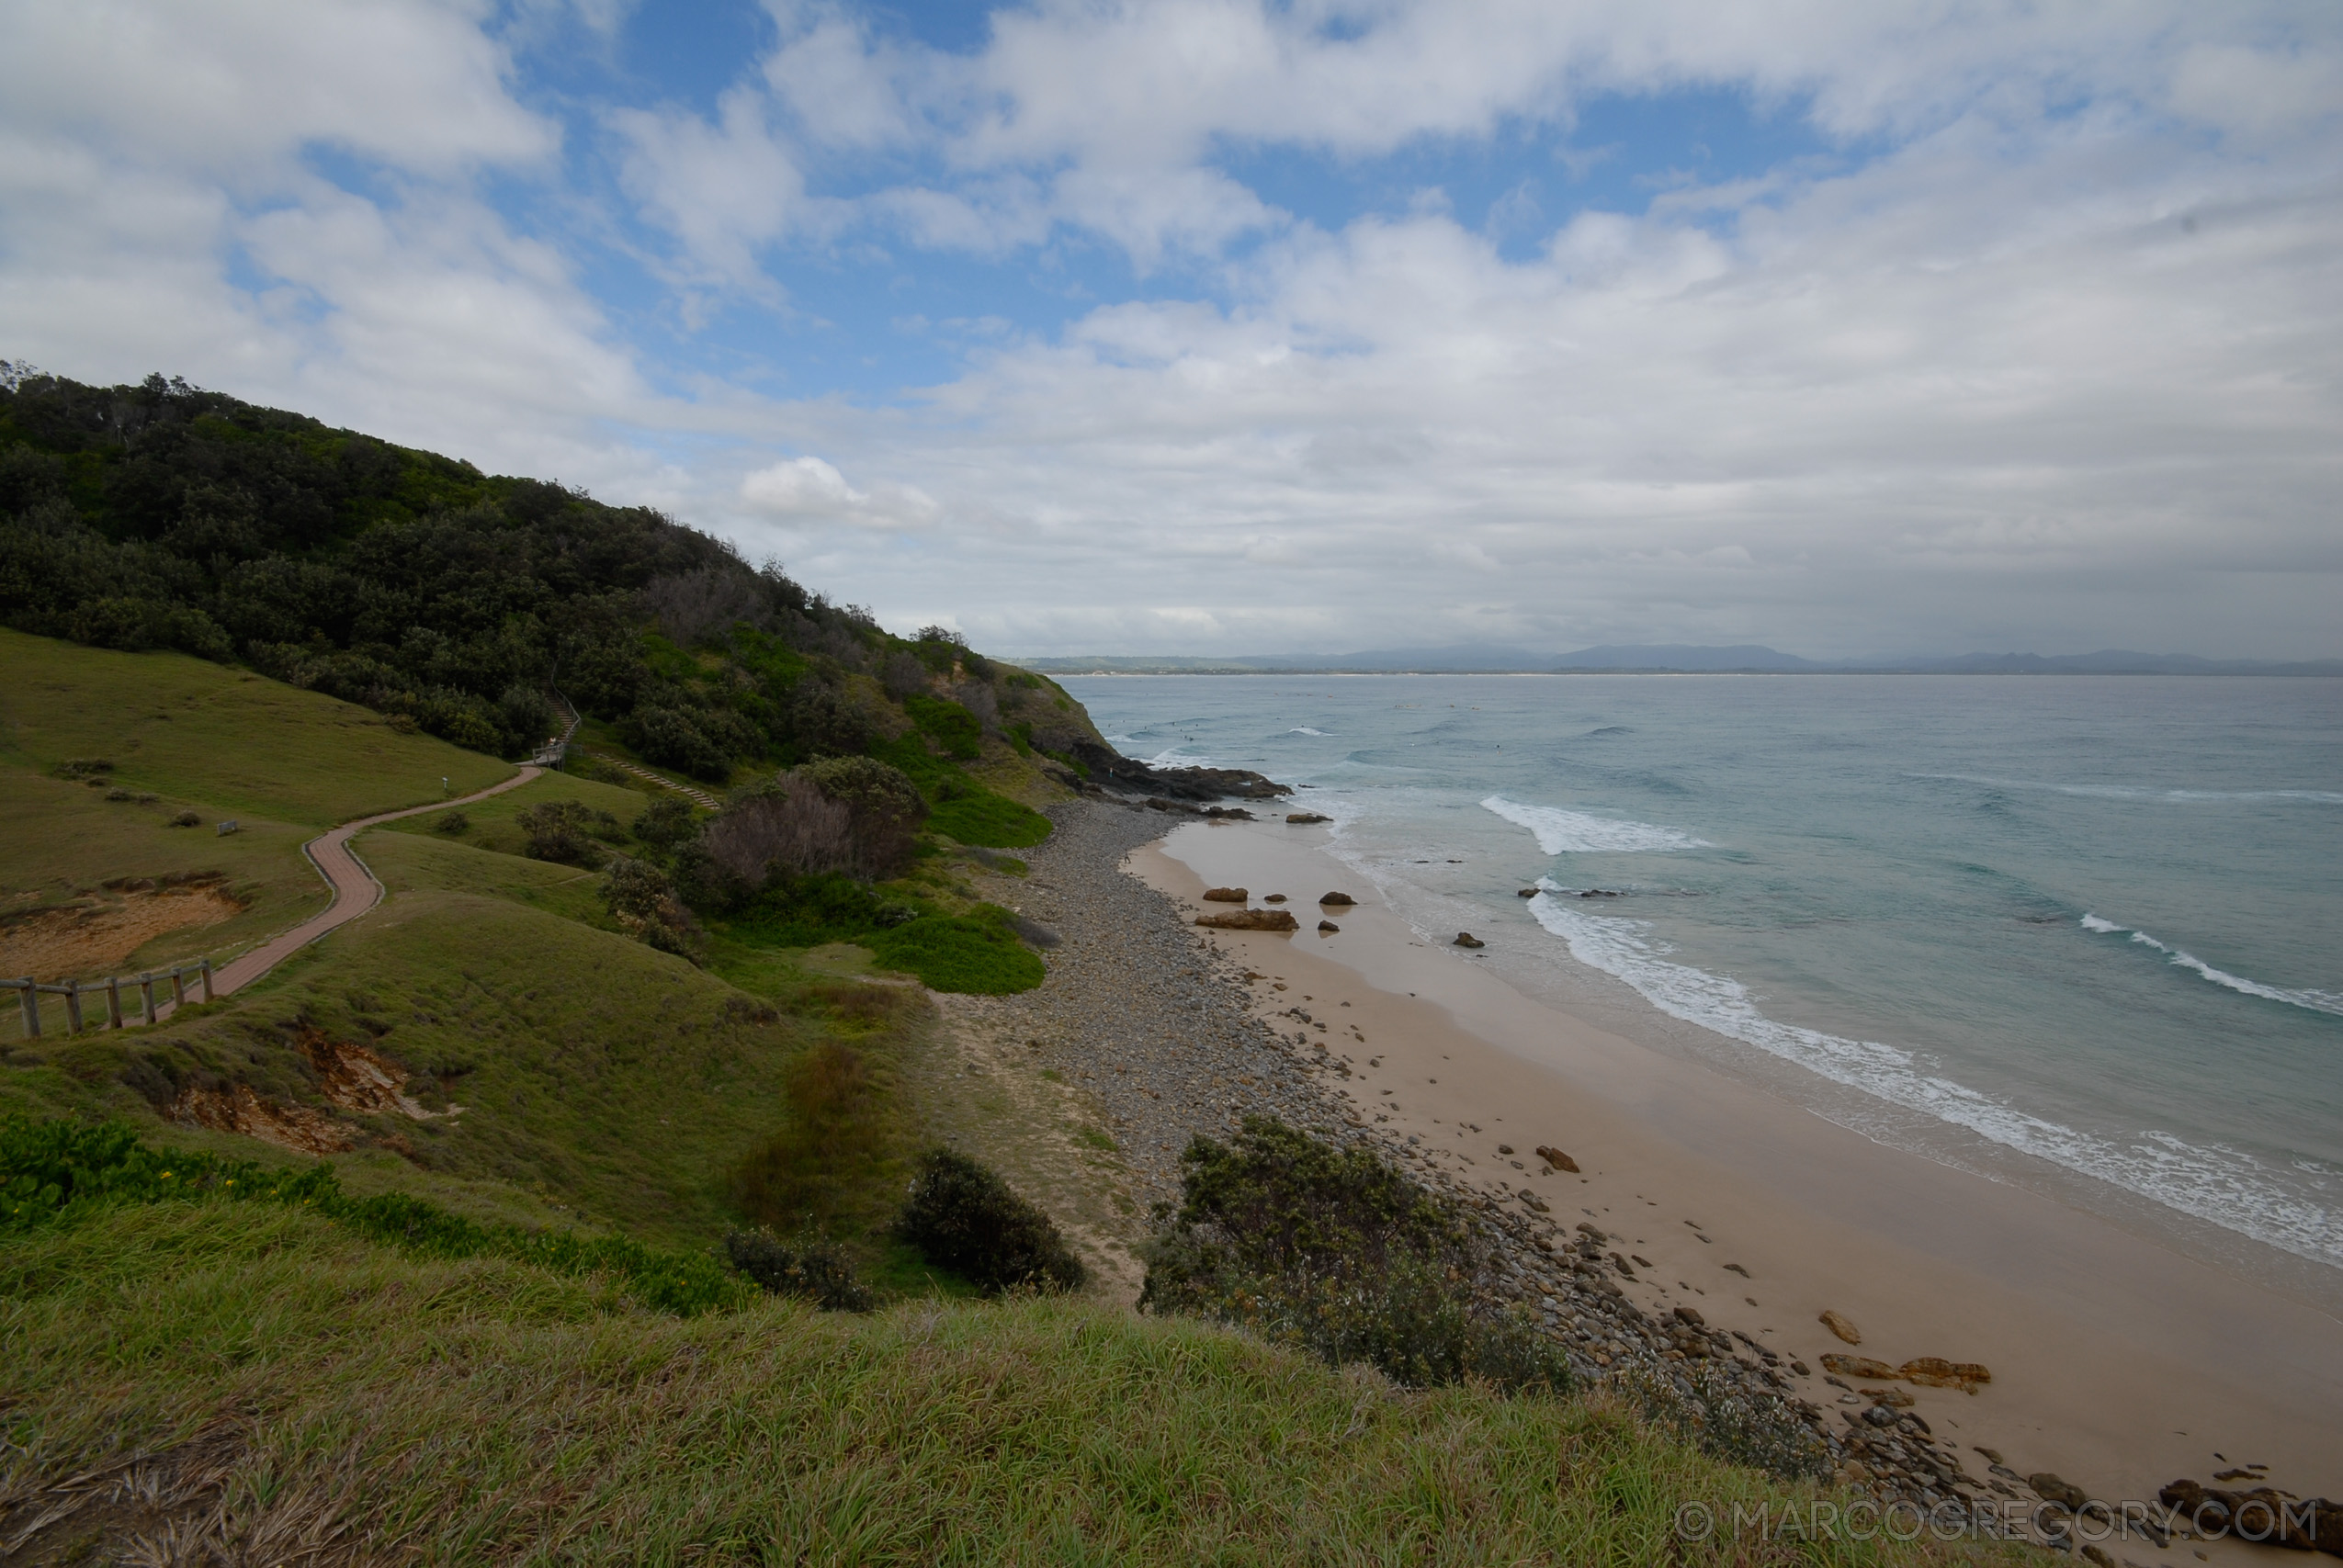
column 2312, row 1001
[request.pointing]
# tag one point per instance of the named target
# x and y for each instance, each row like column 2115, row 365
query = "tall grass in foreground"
column 57, row 1173
column 250, row 1377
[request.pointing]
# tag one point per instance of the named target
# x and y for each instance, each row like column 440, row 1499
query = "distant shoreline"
column 1055, row 668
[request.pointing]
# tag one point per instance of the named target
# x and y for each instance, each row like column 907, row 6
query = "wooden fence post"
column 178, row 987
column 30, row 996
column 72, row 1006
column 114, row 1000
column 146, row 996
column 207, row 979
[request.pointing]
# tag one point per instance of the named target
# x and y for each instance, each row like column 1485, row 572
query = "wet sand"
column 2117, row 1362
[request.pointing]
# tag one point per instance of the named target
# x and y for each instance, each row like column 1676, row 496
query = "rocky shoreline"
column 1161, row 1031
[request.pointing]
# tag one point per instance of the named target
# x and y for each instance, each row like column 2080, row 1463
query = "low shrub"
column 185, row 819
column 1331, row 1249
column 963, row 1217
column 976, row 954
column 666, row 825
column 453, row 822
column 812, row 1268
column 563, row 831
column 643, row 900
column 859, row 1007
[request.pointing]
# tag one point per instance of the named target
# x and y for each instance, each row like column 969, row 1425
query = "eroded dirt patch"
column 98, row 935
column 357, row 1078
column 236, row 1109
column 353, row 1076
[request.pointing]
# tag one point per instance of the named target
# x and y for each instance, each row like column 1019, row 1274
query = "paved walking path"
column 355, row 892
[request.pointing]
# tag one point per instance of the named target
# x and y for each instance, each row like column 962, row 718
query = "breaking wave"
column 2316, row 1001
column 2224, row 1186
column 1574, row 832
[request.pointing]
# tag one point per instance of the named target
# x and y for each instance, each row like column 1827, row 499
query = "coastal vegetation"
column 609, row 1189
column 1331, row 1249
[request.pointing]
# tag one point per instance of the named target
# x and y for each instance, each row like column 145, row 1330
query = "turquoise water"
column 2079, row 930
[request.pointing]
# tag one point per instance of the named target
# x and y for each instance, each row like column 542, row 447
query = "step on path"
column 696, row 796
column 354, row 888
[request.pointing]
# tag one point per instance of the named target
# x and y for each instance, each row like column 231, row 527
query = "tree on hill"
column 161, row 516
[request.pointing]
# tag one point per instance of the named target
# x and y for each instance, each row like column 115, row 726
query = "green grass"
column 490, row 822
column 975, row 953
column 614, row 1082
column 58, row 1172
column 991, row 821
column 64, row 842
column 305, row 1380
column 226, row 741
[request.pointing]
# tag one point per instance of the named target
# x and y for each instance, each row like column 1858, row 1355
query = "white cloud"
column 2049, row 357
column 809, row 490
column 1948, row 379
column 220, row 84
column 723, row 190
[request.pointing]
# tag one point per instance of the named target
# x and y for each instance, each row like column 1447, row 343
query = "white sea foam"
column 1574, row 832
column 2316, row 1001
column 1172, row 756
column 2224, row 1186
column 1304, row 729
column 2139, row 792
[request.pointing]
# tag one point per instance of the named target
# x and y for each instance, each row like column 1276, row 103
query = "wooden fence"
column 29, row 992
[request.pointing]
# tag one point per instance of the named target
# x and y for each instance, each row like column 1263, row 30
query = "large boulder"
column 1858, row 1367
column 1844, row 1328
column 1935, row 1371
column 1251, row 921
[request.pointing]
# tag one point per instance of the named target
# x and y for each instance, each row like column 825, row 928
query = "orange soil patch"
column 239, row 1110
column 75, row 941
column 350, row 1074
column 357, row 1079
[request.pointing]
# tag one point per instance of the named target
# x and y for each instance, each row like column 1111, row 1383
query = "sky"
column 1852, row 327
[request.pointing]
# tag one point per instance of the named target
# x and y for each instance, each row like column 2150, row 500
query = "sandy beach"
column 2116, row 1362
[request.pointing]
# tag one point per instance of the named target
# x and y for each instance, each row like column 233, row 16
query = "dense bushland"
column 160, row 515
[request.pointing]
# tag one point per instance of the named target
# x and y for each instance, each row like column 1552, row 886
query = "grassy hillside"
column 271, row 1380
column 96, row 879
column 226, row 741
column 552, row 1068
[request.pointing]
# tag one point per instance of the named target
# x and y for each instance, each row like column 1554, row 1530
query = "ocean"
column 2082, row 933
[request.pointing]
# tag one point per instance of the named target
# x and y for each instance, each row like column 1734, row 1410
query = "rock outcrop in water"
column 1111, row 769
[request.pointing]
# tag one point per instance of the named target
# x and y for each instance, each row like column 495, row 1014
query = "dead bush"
column 793, row 829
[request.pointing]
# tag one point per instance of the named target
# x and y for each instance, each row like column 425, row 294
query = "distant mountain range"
column 1683, row 658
